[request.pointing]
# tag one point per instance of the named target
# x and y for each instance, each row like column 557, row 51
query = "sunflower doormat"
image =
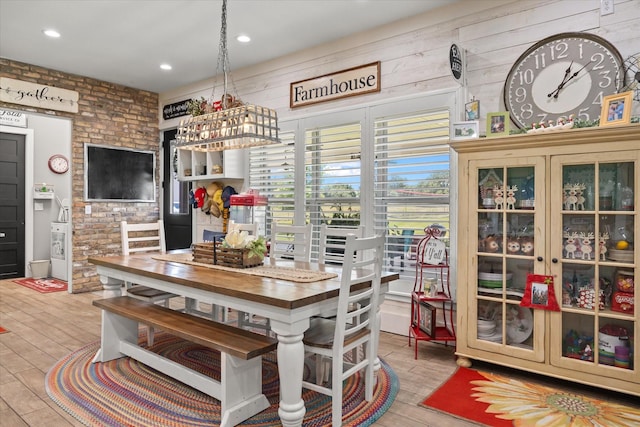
column 499, row 401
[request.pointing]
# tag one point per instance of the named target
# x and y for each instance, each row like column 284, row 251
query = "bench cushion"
column 237, row 342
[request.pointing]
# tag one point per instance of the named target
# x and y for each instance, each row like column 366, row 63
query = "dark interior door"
column 176, row 209
column 12, row 208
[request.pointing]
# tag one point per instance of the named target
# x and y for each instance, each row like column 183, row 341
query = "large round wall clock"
column 562, row 75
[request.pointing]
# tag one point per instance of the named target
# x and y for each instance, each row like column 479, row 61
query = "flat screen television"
column 119, row 174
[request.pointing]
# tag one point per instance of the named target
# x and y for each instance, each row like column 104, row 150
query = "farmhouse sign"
column 341, row 84
column 36, row 95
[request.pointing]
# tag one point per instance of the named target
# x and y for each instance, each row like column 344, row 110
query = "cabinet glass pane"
column 578, row 341
column 518, row 325
column 517, row 271
column 490, row 236
column 520, row 234
column 578, row 232
column 490, row 321
column 616, row 186
column 489, row 180
column 618, row 241
column 580, row 287
column 579, row 189
column 520, row 189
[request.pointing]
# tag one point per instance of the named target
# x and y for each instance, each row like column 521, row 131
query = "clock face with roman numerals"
column 562, row 75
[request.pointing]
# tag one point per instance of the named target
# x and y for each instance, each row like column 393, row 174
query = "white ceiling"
column 125, row 41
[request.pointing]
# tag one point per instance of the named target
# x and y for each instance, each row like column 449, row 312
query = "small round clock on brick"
column 58, row 163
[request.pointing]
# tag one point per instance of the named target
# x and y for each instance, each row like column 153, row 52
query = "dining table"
column 288, row 293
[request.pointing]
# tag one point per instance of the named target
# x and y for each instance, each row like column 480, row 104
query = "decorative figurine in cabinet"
column 431, row 303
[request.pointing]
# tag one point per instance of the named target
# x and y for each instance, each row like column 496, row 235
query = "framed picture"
column 427, row 319
column 498, row 124
column 465, row 130
column 472, row 110
column 540, row 293
column 616, row 109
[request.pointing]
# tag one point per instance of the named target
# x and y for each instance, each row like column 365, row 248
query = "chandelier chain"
column 223, row 59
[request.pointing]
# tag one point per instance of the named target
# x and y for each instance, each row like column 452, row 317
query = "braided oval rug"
column 125, row 392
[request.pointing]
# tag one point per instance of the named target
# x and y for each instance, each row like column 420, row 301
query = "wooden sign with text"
column 434, row 252
column 341, row 84
column 13, row 118
column 37, row 95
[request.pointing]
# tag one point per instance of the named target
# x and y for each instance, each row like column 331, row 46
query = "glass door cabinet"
column 563, row 205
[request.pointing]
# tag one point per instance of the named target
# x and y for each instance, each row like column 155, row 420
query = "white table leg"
column 112, row 287
column 290, row 368
column 115, row 329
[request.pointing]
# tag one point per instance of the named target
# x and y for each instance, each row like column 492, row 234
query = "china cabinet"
column 562, row 205
column 431, row 302
column 193, row 165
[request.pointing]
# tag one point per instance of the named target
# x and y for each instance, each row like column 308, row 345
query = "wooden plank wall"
column 414, row 53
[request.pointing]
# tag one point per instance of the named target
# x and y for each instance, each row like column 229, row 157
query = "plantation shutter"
column 411, row 181
column 271, row 172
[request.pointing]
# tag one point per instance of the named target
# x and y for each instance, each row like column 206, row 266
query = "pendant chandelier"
column 233, row 124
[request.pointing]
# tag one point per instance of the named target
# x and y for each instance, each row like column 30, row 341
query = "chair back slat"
column 332, row 242
column 291, row 242
column 251, row 229
column 147, row 237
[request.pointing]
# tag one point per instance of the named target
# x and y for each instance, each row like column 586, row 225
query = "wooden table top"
column 276, row 292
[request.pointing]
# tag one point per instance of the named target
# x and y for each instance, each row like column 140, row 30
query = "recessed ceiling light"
column 166, row 66
column 243, row 38
column 51, row 33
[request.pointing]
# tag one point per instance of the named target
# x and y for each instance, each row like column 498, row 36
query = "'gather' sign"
column 36, row 95
column 350, row 82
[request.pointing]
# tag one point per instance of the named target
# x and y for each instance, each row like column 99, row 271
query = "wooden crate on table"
column 203, row 252
column 238, row 258
column 228, row 257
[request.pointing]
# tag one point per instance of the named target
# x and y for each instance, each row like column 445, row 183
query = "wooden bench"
column 240, row 387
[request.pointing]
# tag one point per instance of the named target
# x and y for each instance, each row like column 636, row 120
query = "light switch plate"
column 87, row 209
column 606, row 7
column 38, row 206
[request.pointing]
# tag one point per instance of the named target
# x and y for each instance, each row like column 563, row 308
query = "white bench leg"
column 241, row 394
column 115, row 328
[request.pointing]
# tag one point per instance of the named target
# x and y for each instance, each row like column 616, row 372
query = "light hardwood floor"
column 43, row 328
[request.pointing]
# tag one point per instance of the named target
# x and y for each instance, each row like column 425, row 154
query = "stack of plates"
column 621, row 256
column 492, row 280
column 488, row 330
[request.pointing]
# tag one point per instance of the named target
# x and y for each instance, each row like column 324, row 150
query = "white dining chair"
column 247, row 320
column 287, row 242
column 331, row 251
column 332, row 242
column 331, row 339
column 147, row 237
column 291, row 242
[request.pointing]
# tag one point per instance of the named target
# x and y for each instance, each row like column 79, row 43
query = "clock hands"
column 566, row 80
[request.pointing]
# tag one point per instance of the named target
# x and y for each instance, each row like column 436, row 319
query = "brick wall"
column 108, row 114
